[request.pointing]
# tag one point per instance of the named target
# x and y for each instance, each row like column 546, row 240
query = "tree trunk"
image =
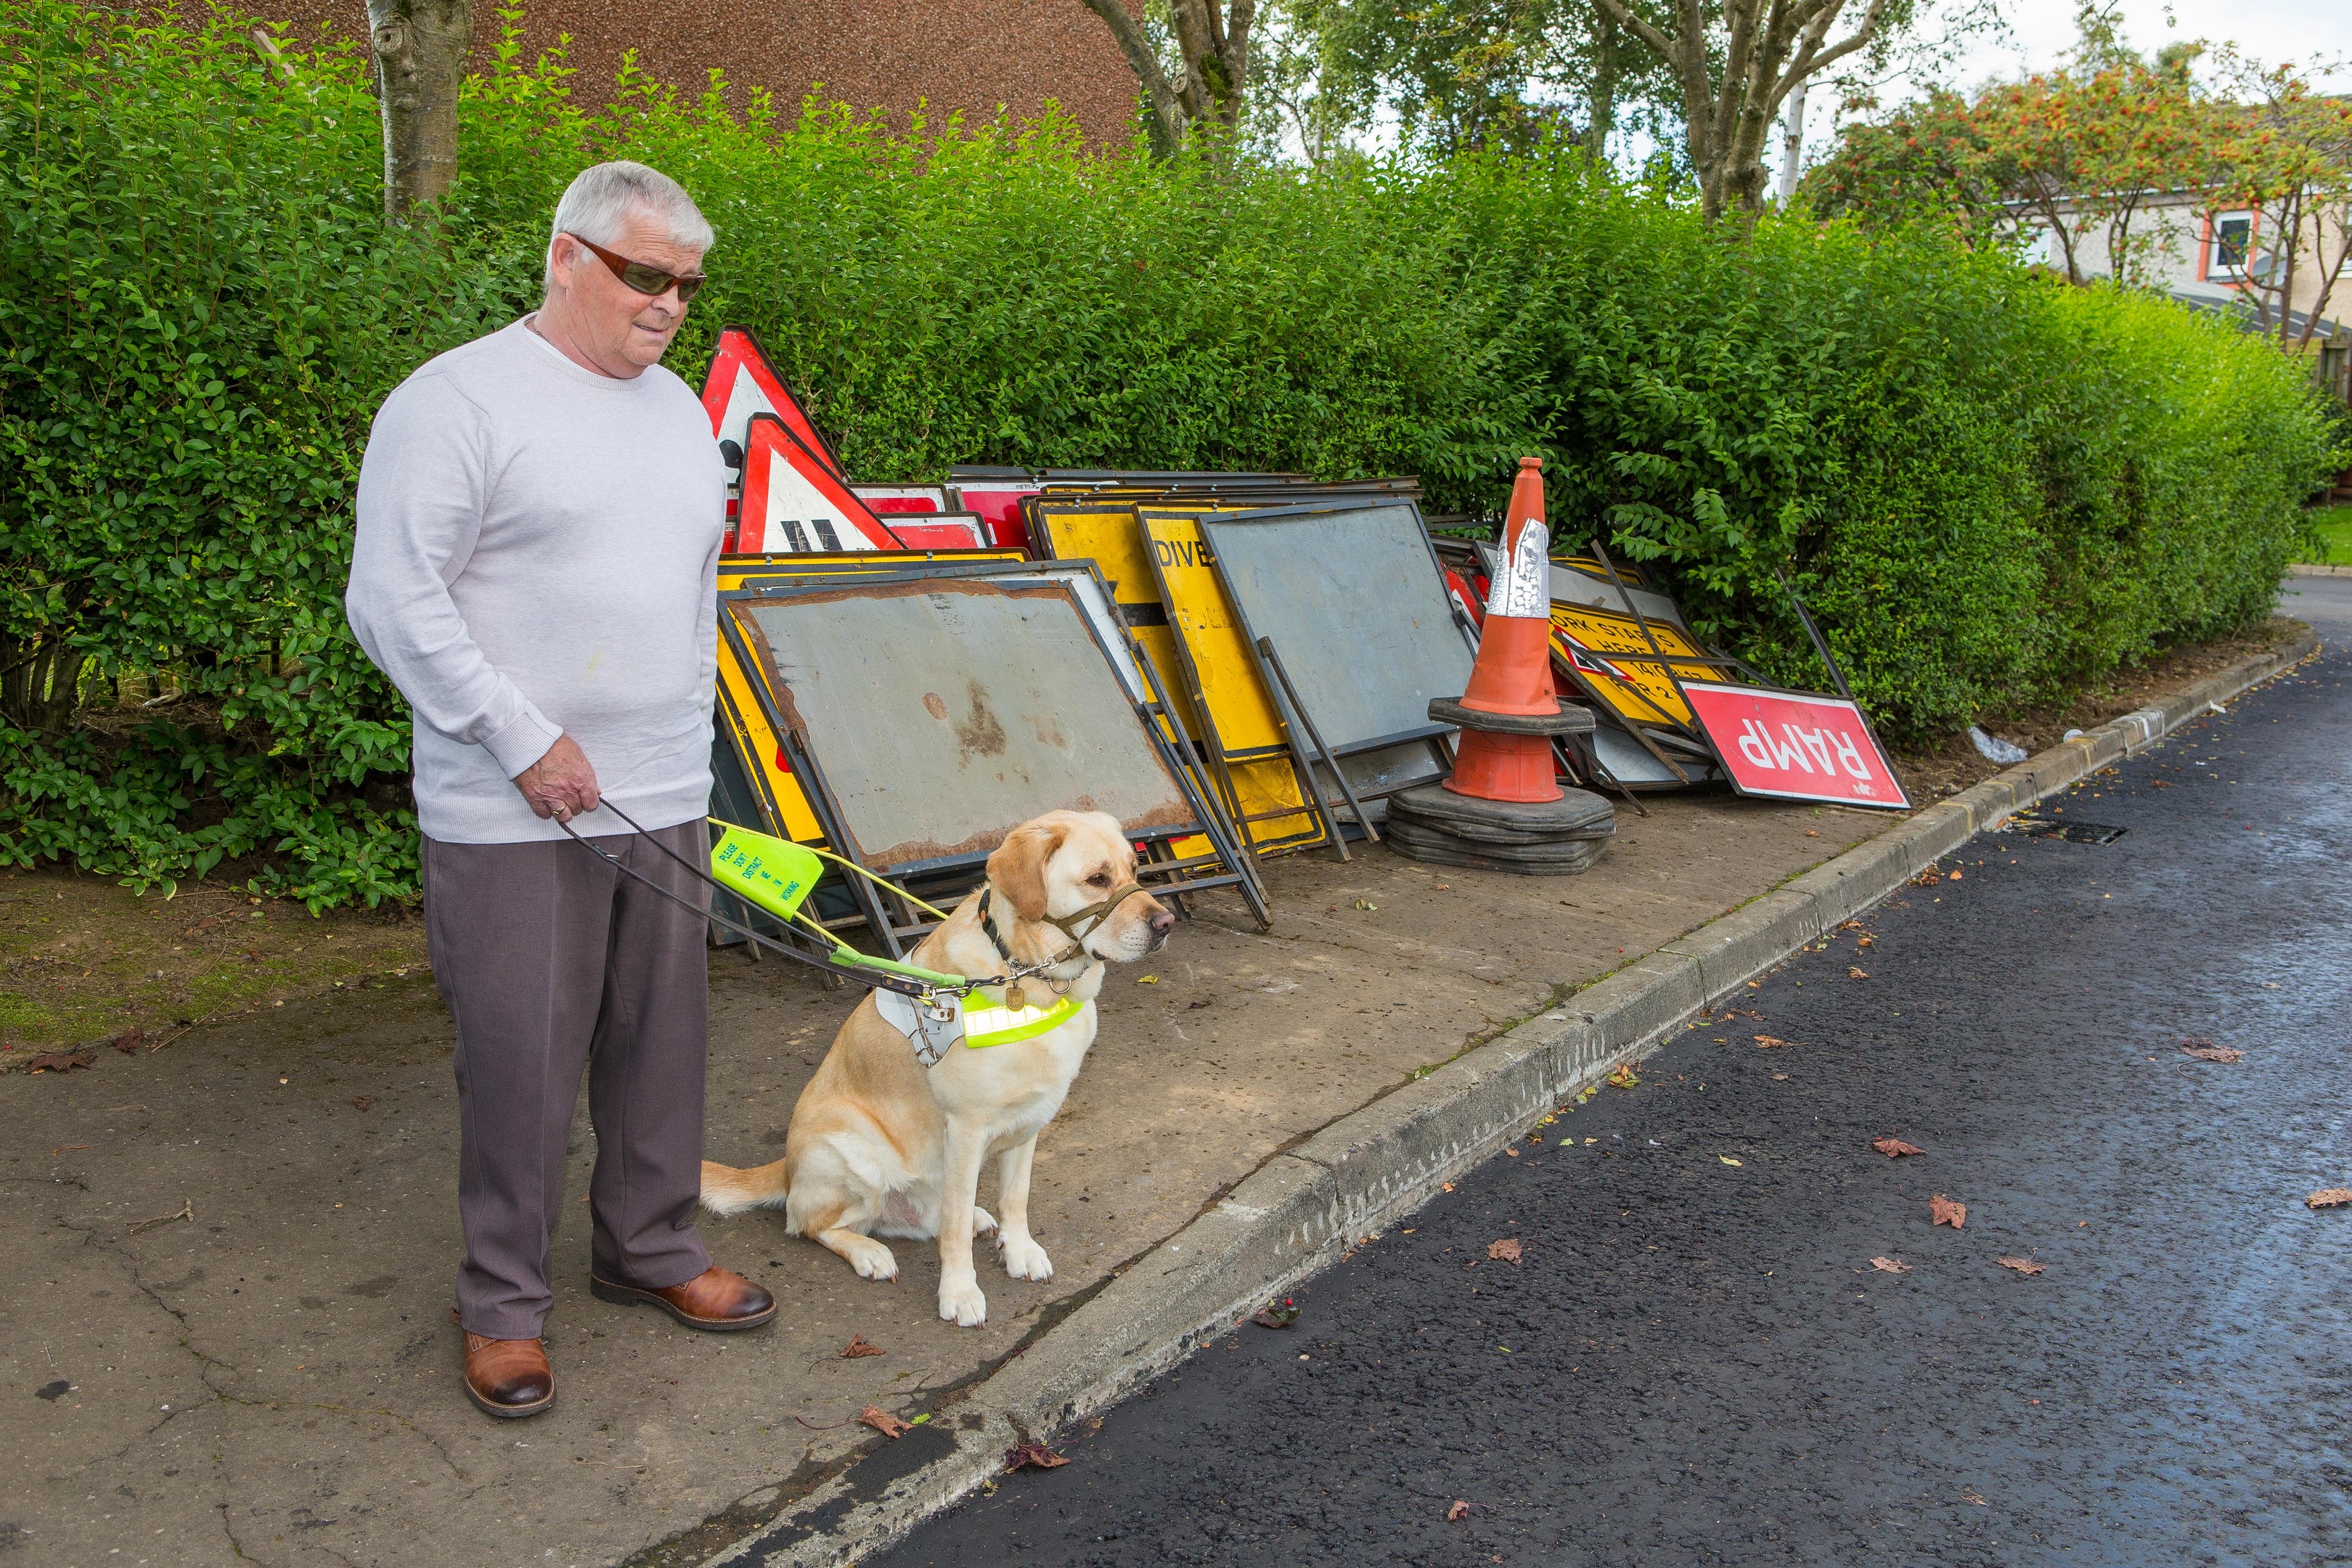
column 40, row 683
column 1211, row 89
column 420, row 59
column 1792, row 143
column 1606, row 69
column 1730, row 97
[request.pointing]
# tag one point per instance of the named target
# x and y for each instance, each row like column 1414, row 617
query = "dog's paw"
column 961, row 1303
column 983, row 1222
column 873, row 1261
column 1024, row 1259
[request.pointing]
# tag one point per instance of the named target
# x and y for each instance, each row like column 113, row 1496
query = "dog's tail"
column 726, row 1190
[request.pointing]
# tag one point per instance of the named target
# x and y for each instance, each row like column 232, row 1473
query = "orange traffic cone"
column 1503, row 807
column 1512, row 677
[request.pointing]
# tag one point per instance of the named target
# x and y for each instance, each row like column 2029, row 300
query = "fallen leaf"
column 1813, row 833
column 1457, row 1509
column 361, row 1102
column 1953, row 877
column 2212, row 1053
column 1146, row 980
column 1780, row 1077
column 1022, row 1455
column 2329, row 1198
column 859, row 1346
column 1504, row 1251
column 882, row 1421
column 1890, row 1265
column 1727, row 1158
column 1856, row 972
column 1624, row 1077
column 1942, row 1210
column 1970, row 1494
column 2022, row 1265
column 1895, row 1148
column 1769, row 1042
column 1850, row 925
column 1280, row 1315
column 128, row 1042
column 60, row 1061
column 1865, row 939
column 1366, row 904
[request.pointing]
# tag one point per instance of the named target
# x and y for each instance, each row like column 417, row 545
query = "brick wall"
column 889, row 54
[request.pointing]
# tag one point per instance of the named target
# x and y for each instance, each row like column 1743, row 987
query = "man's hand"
column 561, row 785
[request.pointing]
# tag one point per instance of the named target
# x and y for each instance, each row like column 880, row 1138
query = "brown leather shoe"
column 717, row 1299
column 508, row 1378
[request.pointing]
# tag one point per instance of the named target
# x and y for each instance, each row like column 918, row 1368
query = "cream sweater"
column 537, row 555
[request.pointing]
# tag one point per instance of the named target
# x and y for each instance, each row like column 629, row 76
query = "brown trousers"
column 549, row 960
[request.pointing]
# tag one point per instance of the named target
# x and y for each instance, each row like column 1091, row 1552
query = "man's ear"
column 1018, row 867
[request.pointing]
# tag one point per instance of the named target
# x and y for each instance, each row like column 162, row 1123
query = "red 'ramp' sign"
column 1791, row 745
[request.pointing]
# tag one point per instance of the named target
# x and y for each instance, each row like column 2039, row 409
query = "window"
column 2233, row 239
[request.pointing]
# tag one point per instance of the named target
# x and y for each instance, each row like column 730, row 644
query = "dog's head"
column 1065, row 862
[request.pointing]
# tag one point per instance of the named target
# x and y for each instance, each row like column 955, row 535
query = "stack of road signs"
column 921, row 713
column 1144, row 533
column 1674, row 713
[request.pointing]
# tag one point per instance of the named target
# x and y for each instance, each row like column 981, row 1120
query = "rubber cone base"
column 1531, row 839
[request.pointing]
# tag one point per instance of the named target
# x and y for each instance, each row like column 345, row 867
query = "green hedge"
column 1993, row 489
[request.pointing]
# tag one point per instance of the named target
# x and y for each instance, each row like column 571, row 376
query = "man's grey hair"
column 598, row 202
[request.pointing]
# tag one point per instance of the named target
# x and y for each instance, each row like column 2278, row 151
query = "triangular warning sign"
column 742, row 381
column 794, row 503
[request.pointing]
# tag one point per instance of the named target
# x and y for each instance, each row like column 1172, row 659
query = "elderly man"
column 539, row 514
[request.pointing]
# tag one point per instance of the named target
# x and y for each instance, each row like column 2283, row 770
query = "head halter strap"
column 1068, row 925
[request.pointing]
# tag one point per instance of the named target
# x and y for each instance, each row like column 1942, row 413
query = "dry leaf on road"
column 1895, row 1148
column 1624, row 1077
column 882, row 1421
column 2022, row 1265
column 60, row 1061
column 129, row 1041
column 1022, row 1455
column 1457, row 1509
column 1856, row 972
column 2329, row 1198
column 1727, row 1158
column 1942, row 1210
column 1890, row 1265
column 2210, row 1052
column 1504, row 1251
column 1766, row 1042
column 1865, row 939
column 859, row 1346
column 361, row 1102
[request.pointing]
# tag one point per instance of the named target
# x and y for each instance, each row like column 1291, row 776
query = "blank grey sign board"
column 945, row 713
column 1353, row 601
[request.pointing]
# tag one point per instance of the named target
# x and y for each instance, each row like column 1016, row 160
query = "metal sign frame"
column 1436, row 735
column 1263, row 784
column 1172, row 871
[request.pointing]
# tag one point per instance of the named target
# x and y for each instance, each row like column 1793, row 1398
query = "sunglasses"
column 643, row 279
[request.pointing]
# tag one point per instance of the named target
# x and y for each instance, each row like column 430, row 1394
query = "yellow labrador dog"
column 881, row 1144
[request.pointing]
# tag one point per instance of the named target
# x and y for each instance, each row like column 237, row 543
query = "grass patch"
column 2335, row 525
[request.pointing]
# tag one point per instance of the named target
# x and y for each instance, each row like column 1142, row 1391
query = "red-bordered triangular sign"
column 742, row 381
column 793, row 503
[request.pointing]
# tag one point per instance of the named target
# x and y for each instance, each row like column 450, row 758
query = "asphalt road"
column 1695, row 1360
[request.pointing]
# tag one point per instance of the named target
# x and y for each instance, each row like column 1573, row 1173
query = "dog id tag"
column 1015, row 998
column 933, row 1028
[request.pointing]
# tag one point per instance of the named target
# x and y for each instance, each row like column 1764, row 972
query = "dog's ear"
column 1018, row 867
